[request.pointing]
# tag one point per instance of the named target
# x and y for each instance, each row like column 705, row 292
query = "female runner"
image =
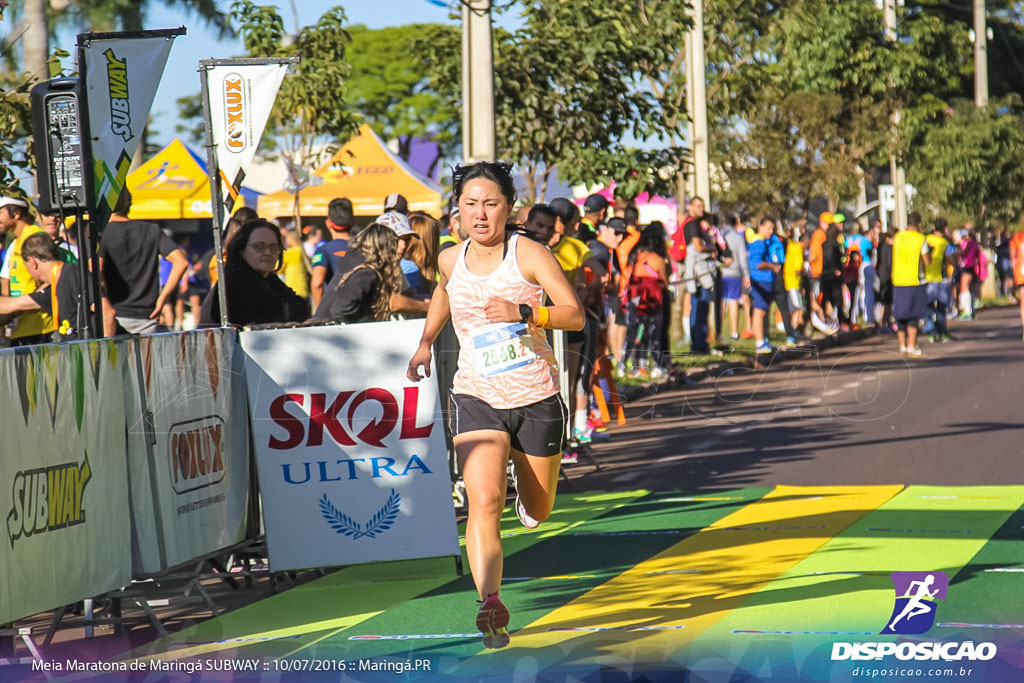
column 505, row 400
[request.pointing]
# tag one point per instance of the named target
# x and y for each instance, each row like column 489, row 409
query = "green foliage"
column 190, row 124
column 132, row 15
column 970, row 164
column 566, row 88
column 310, row 117
column 15, row 130
column 392, row 93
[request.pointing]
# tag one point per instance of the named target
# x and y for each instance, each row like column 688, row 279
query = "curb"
column 682, row 380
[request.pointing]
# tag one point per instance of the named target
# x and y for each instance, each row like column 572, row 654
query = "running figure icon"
column 915, row 604
column 916, row 607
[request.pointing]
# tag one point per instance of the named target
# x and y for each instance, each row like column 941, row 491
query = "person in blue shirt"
column 762, row 279
column 340, row 219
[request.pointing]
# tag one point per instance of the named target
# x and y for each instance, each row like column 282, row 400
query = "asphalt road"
column 859, row 414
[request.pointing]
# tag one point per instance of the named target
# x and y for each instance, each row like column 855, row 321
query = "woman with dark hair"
column 368, row 275
column 644, row 298
column 255, row 295
column 505, row 396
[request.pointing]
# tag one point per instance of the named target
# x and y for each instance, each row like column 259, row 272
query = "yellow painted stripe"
column 678, row 593
column 288, row 622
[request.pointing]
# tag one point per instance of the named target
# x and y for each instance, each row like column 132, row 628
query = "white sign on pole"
column 241, row 97
column 351, row 455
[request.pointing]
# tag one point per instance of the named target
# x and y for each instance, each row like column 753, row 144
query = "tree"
column 970, row 164
column 391, row 92
column 310, row 117
column 566, row 93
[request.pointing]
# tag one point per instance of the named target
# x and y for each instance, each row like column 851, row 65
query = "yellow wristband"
column 542, row 316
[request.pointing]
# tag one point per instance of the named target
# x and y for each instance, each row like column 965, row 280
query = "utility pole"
column 696, row 89
column 478, row 140
column 980, row 55
column 899, row 180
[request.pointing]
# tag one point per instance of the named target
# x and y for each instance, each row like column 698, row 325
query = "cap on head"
column 12, row 201
column 618, row 225
column 826, row 217
column 565, row 210
column 396, row 202
column 397, row 222
column 595, row 203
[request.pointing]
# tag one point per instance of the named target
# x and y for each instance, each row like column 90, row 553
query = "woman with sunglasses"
column 255, row 295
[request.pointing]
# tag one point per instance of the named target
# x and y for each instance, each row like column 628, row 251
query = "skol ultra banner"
column 121, row 78
column 188, row 446
column 241, row 96
column 351, row 455
column 63, row 480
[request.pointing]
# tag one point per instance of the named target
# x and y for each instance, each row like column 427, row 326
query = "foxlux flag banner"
column 351, row 455
column 121, row 78
column 241, row 97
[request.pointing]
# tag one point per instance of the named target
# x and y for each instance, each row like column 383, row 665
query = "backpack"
column 678, row 248
column 645, row 294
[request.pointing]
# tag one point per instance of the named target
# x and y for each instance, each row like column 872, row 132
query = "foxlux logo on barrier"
column 913, row 613
column 196, row 450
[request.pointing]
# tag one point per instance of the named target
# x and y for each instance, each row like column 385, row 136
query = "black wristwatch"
column 525, row 313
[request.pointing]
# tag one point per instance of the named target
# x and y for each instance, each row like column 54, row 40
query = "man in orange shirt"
column 815, row 260
column 617, row 328
column 1017, row 259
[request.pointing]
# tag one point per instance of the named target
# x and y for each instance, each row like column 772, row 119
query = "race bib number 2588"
column 502, row 347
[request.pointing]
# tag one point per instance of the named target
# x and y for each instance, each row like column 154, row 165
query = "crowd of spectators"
column 720, row 281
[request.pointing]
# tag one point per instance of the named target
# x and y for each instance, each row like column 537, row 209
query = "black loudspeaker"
column 59, row 125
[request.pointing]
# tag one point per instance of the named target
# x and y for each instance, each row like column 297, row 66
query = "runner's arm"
column 437, row 315
column 542, row 268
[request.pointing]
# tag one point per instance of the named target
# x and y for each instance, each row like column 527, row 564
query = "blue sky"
column 181, row 75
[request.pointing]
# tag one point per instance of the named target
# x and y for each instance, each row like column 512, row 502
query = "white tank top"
column 507, row 365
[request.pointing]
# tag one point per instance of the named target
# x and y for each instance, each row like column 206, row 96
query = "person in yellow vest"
column 937, row 282
column 293, row 270
column 15, row 278
column 59, row 287
column 911, row 254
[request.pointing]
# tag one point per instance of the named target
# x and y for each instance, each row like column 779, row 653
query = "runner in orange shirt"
column 1017, row 259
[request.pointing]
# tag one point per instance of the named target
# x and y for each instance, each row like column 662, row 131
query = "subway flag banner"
column 121, row 78
column 63, row 478
column 241, row 97
column 351, row 455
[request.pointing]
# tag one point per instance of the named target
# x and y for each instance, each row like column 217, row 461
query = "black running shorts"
column 535, row 429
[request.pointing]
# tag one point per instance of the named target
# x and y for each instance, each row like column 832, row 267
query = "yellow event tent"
column 173, row 185
column 365, row 172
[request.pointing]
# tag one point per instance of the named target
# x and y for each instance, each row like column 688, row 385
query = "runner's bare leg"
column 483, row 458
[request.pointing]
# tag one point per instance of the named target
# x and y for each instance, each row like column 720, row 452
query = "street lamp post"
column 697, row 98
column 895, row 168
column 980, row 55
column 478, row 140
